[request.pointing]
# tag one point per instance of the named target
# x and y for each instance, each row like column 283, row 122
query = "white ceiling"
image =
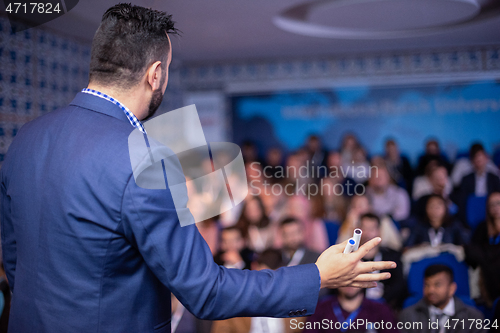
column 243, row 29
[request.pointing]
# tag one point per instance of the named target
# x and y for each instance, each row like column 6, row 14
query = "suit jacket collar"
column 423, row 307
column 98, row 104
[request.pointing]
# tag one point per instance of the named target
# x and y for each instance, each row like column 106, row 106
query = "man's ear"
column 154, row 75
column 453, row 289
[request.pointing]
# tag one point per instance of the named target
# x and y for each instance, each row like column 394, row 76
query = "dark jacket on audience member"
column 487, row 256
column 468, row 187
column 309, row 257
column 454, row 233
column 419, row 313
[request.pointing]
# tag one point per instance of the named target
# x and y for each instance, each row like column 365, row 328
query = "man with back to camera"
column 439, row 306
column 87, row 250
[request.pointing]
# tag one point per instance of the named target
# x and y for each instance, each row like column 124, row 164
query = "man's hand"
column 341, row 270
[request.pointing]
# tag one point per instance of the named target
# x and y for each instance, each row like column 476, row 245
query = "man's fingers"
column 365, row 248
column 363, row 284
column 372, row 277
column 372, row 266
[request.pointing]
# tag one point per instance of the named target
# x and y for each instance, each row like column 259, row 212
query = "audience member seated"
column 336, row 174
column 392, row 290
column 255, row 178
column 437, row 227
column 255, row 225
column 269, row 259
column 358, row 167
column 293, row 247
column 349, row 144
column 387, row 198
column 331, row 222
column 360, row 205
column 484, row 251
column 463, row 167
column 480, row 182
column 439, row 306
column 250, row 152
column 432, row 153
column 348, row 307
column 435, row 181
column 398, row 165
column 316, row 152
column 274, row 163
column 293, row 177
column 233, row 251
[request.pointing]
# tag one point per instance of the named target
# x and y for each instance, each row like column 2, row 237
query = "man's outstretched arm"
column 182, row 260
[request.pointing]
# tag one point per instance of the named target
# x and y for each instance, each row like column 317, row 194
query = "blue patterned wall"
column 39, row 72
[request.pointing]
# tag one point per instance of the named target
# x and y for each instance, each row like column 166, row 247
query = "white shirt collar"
column 448, row 310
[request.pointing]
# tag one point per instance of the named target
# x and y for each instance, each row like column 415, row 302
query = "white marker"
column 350, row 245
column 357, row 238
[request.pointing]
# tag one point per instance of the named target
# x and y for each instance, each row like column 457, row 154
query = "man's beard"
column 156, row 100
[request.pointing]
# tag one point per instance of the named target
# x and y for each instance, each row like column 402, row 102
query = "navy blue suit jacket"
column 87, row 250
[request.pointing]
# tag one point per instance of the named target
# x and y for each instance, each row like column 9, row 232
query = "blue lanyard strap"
column 340, row 317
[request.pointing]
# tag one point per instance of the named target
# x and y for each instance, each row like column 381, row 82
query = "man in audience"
column 317, row 153
column 385, row 197
column 392, row 290
column 398, row 165
column 273, row 164
column 439, row 307
column 350, row 311
column 463, row 166
column 432, row 153
column 294, row 250
column 435, row 181
column 233, row 251
column 480, row 182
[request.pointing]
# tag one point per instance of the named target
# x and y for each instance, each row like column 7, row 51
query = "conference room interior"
column 377, row 114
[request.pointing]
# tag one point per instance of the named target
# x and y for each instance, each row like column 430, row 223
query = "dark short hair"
column 474, row 149
column 439, row 268
column 289, row 220
column 129, row 40
column 370, row 216
column 272, row 258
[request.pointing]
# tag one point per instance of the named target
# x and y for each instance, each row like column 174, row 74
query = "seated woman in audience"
column 437, row 227
column 484, row 250
column 254, row 223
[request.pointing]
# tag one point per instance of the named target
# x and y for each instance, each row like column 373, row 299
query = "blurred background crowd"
column 434, row 212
